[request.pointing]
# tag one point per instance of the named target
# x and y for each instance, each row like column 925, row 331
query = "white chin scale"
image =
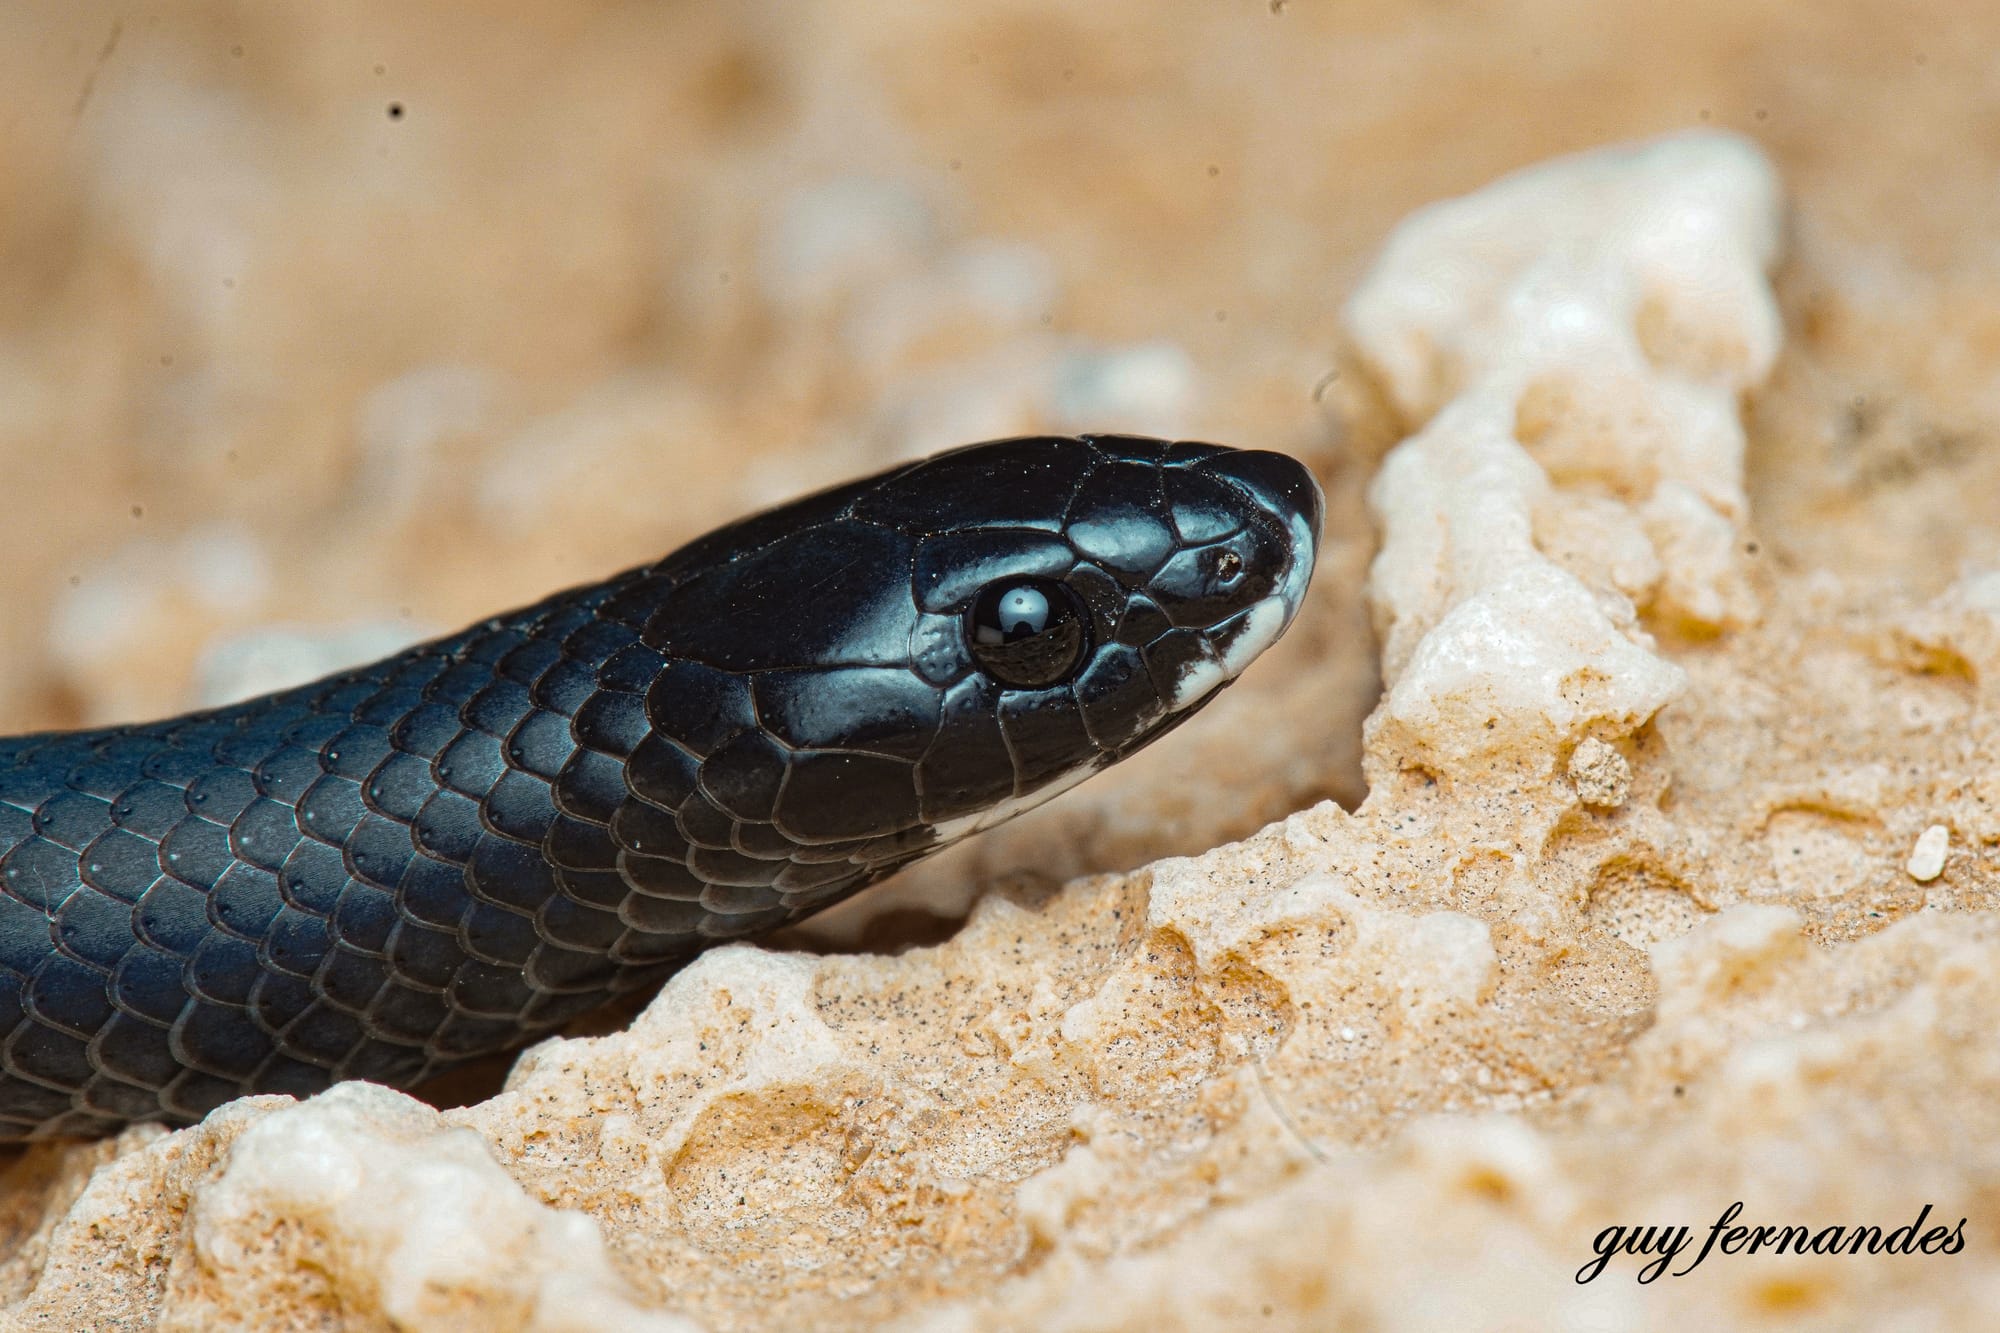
column 951, row 830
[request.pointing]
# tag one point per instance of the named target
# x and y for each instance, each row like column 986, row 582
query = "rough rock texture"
column 1660, row 879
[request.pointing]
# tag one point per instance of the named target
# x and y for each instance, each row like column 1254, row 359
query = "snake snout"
column 1278, row 483
column 1239, row 593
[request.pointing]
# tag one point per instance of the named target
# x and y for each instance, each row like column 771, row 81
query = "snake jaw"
column 964, row 826
column 1231, row 647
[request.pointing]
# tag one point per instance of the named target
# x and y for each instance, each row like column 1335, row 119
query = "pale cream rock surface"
column 1647, row 946
column 364, row 1191
column 1579, row 329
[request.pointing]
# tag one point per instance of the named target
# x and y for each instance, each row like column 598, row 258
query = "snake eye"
column 1026, row 633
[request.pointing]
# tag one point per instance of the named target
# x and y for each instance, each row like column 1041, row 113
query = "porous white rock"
column 1573, row 334
column 1431, row 959
column 735, row 1023
column 1643, row 258
column 369, row 1194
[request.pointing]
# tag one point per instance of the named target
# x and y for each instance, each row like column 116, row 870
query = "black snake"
column 459, row 848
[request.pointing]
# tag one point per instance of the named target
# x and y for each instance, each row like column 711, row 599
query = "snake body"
column 457, row 849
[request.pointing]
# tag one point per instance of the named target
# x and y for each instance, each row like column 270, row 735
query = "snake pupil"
column 1027, row 633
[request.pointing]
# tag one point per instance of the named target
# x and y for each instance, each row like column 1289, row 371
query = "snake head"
column 1077, row 599
column 894, row 663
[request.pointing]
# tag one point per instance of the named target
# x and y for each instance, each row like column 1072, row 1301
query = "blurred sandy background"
column 324, row 327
